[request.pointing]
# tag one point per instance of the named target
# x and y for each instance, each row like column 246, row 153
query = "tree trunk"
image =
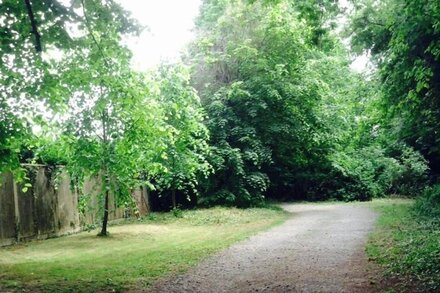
column 105, row 218
column 105, row 177
column 173, row 198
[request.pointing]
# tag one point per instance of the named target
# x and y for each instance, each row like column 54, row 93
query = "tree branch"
column 34, row 26
column 89, row 28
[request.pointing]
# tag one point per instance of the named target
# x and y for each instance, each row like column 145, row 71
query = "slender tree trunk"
column 105, row 218
column 173, row 198
column 106, row 178
column 173, row 192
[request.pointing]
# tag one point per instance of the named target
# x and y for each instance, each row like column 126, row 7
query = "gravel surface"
column 319, row 249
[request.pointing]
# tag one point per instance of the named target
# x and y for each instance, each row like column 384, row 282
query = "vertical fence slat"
column 45, row 211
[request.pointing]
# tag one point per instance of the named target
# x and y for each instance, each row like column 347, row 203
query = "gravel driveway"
column 319, row 249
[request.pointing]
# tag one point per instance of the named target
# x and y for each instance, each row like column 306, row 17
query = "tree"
column 34, row 37
column 402, row 39
column 110, row 122
column 265, row 77
column 183, row 158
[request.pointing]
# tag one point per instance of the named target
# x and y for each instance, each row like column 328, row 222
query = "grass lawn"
column 406, row 246
column 133, row 255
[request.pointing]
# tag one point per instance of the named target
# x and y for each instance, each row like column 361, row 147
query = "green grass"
column 406, row 246
column 134, row 254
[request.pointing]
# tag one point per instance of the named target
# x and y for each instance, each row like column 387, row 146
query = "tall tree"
column 184, row 157
column 257, row 67
column 402, row 37
column 112, row 123
column 34, row 37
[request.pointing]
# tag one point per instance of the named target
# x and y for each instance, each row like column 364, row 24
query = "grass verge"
column 407, row 246
column 134, row 254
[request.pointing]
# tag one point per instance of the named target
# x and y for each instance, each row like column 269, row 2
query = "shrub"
column 428, row 204
column 236, row 181
column 410, row 176
column 373, row 171
column 177, row 213
column 358, row 174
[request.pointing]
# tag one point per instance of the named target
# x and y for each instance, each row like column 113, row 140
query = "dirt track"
column 319, row 249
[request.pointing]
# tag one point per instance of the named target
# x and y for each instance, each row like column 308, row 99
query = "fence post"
column 146, row 197
column 17, row 211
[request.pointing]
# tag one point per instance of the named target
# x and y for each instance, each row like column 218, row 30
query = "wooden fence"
column 51, row 207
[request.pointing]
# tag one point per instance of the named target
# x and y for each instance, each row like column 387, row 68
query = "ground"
column 134, row 255
column 307, row 248
column 321, row 248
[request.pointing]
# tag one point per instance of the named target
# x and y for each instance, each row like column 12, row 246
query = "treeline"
column 265, row 104
column 402, row 38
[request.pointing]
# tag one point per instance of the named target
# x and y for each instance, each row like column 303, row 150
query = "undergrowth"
column 212, row 216
column 407, row 246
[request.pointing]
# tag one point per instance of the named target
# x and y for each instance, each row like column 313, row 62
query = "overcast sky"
column 170, row 24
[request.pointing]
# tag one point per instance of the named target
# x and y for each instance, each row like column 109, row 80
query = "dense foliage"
column 281, row 114
column 257, row 71
column 402, row 37
column 265, row 105
column 183, row 159
column 288, row 117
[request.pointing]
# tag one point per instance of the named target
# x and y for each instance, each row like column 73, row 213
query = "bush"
column 358, row 172
column 240, row 198
column 410, row 175
column 222, row 197
column 428, row 205
column 373, row 171
column 235, row 181
column 177, row 213
column 355, row 190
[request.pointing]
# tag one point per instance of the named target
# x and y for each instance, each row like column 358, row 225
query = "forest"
column 263, row 107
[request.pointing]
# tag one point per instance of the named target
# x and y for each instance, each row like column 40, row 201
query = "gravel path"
column 319, row 249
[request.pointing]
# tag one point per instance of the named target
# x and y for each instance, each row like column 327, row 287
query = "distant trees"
column 183, row 159
column 287, row 116
column 268, row 82
column 402, row 37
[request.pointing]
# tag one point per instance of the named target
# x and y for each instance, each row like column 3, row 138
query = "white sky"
column 170, row 24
